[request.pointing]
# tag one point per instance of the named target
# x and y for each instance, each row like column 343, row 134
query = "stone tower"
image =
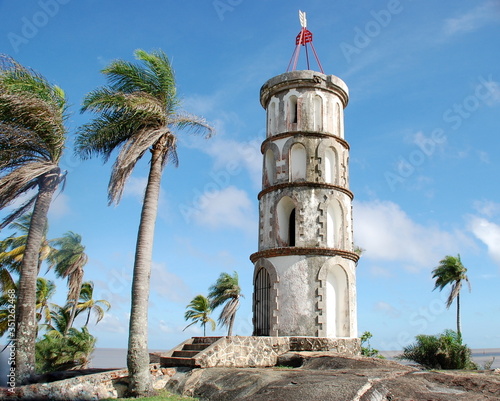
column 304, row 278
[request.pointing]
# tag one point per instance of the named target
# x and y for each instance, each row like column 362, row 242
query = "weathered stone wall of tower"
column 305, row 227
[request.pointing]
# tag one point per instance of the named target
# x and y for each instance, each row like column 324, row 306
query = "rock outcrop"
column 330, row 377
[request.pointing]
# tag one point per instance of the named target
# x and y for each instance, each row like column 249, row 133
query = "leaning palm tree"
column 88, row 304
column 138, row 111
column 226, row 290
column 199, row 311
column 32, row 137
column 452, row 272
column 68, row 261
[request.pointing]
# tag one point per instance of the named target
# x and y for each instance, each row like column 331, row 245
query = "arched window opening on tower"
column 291, row 229
column 271, row 119
column 336, row 302
column 262, row 303
column 338, row 125
column 285, row 211
column 269, row 168
column 293, row 109
column 330, row 166
column 318, row 113
column 298, row 159
column 333, row 225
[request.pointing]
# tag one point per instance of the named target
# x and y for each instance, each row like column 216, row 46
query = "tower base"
column 254, row 351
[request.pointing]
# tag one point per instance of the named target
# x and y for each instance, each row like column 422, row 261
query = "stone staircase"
column 184, row 354
column 247, row 351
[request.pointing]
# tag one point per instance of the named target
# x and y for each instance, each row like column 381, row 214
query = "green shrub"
column 55, row 352
column 366, row 348
column 445, row 351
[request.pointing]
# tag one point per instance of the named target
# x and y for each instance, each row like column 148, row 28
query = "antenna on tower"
column 303, row 38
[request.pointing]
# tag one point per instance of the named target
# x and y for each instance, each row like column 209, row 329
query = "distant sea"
column 117, row 357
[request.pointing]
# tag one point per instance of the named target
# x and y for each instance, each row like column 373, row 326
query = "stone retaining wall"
column 239, row 351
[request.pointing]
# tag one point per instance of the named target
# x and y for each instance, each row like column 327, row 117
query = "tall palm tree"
column 226, row 290
column 199, row 311
column 68, row 261
column 138, row 111
column 32, row 137
column 88, row 304
column 452, row 272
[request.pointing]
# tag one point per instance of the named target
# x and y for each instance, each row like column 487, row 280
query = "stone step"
column 195, row 347
column 171, row 362
column 205, row 340
column 184, row 354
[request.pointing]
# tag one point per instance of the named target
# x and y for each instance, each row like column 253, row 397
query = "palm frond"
column 130, row 153
column 104, row 134
column 192, row 123
column 24, row 178
column 229, row 311
column 163, row 76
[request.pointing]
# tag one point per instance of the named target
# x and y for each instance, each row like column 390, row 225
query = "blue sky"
column 422, row 122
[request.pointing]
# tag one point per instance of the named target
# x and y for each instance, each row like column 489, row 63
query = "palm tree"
column 32, row 116
column 89, row 304
column 59, row 319
column 452, row 272
column 199, row 312
column 45, row 289
column 12, row 250
column 68, row 261
column 226, row 290
column 137, row 111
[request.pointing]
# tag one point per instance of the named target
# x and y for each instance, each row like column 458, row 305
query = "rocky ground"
column 301, row 376
column 322, row 376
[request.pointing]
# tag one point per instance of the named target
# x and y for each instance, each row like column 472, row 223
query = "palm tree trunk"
column 75, row 305
column 231, row 321
column 138, row 356
column 88, row 318
column 459, row 325
column 71, row 317
column 26, row 326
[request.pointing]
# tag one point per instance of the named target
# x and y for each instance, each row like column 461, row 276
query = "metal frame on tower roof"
column 304, row 38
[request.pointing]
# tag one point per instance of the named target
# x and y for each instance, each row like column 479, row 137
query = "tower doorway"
column 262, row 294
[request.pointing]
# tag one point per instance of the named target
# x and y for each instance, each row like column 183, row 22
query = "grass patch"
column 162, row 395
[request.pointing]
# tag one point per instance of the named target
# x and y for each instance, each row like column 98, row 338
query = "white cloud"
column 168, row 285
column 229, row 207
column 387, row 309
column 387, row 233
column 135, row 187
column 231, row 158
column 379, row 271
column 112, row 324
column 473, row 19
column 488, row 233
column 59, row 206
column 487, row 208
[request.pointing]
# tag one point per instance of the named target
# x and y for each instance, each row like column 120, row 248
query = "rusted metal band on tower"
column 305, row 184
column 305, row 251
column 309, row 134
